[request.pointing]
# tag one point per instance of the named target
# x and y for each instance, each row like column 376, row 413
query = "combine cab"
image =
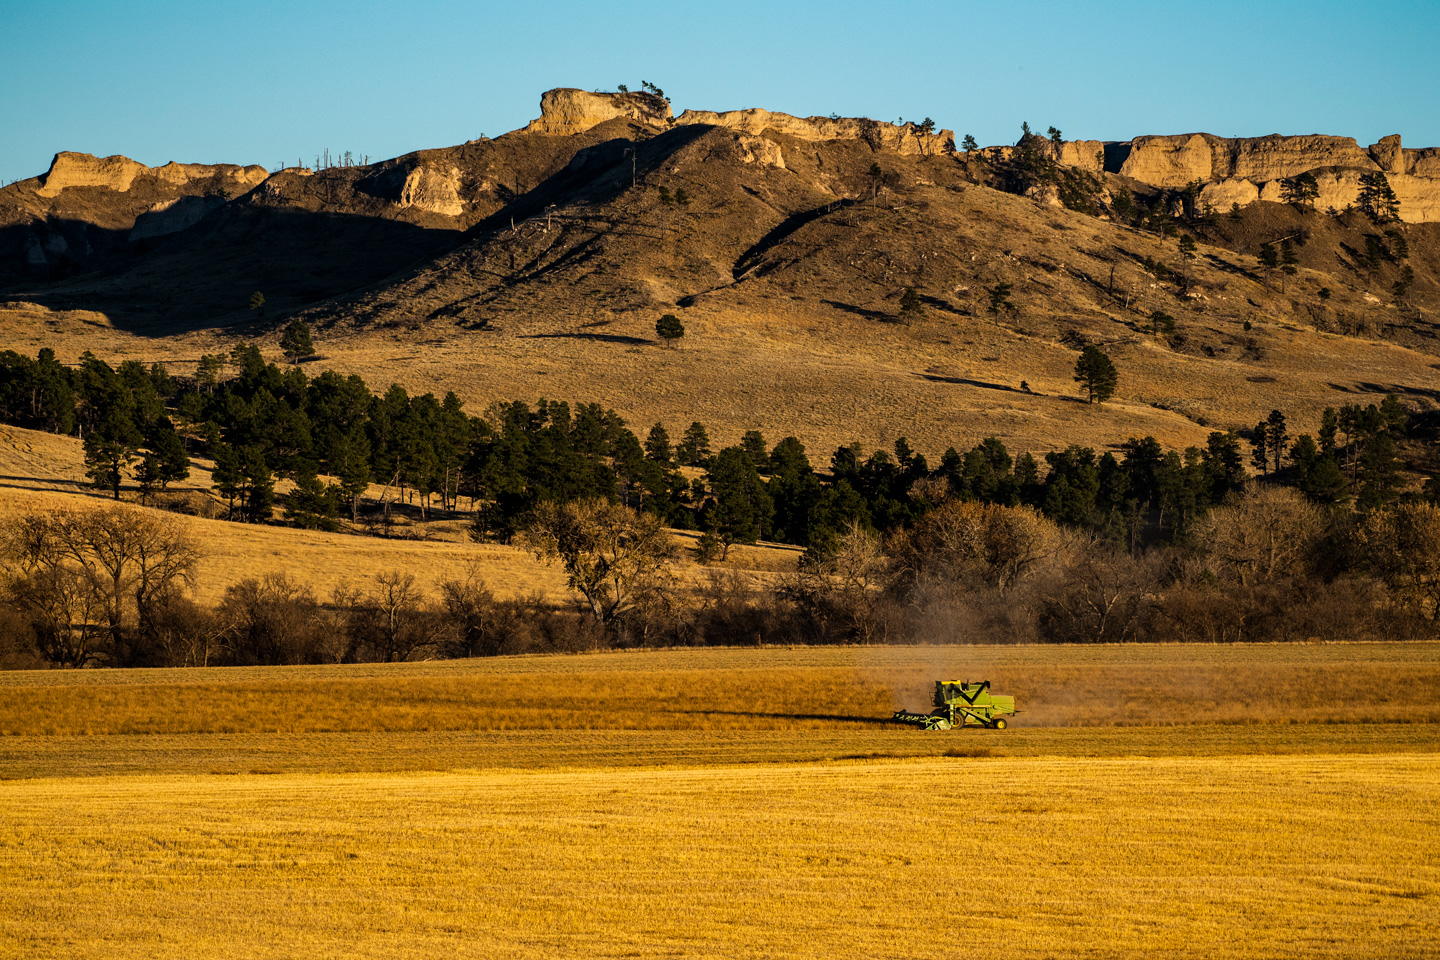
column 962, row 704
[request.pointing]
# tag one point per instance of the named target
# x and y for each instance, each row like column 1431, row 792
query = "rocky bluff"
column 1247, row 169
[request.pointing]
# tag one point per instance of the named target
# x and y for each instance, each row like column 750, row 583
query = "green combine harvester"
column 961, row 705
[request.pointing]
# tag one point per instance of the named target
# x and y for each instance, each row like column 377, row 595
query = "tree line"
column 1123, row 535
column 113, row 587
column 336, row 439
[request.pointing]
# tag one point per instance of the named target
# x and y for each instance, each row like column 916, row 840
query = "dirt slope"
column 537, row 263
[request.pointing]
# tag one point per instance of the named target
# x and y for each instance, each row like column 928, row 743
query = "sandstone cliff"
column 119, row 173
column 902, row 138
column 565, row 111
column 436, row 190
column 1244, row 170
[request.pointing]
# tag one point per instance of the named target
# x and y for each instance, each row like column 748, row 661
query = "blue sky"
column 266, row 82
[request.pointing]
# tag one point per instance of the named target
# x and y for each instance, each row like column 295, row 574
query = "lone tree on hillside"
column 968, row 144
column 295, row 342
column 1097, row 374
column 257, row 302
column 1269, row 259
column 877, row 180
column 911, row 306
column 1000, row 300
column 669, row 328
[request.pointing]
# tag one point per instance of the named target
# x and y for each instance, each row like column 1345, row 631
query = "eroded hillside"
column 538, row 262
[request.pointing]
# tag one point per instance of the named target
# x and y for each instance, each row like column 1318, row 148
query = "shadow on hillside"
column 836, row 717
column 781, row 232
column 964, row 382
column 204, row 276
column 1399, row 390
column 860, row 311
column 602, row 337
column 596, row 175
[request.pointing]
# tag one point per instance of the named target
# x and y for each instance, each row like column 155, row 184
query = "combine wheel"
column 999, row 723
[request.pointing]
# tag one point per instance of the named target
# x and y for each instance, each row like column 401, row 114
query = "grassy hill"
column 787, row 270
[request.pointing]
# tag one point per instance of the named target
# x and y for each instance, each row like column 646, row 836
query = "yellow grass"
column 788, row 366
column 741, row 689
column 1184, row 857
column 43, row 473
column 728, row 803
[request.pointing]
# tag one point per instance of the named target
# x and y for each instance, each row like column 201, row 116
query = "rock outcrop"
column 902, row 138
column 436, row 191
column 119, row 173
column 83, row 170
column 1180, row 160
column 1244, row 170
column 565, row 111
column 172, row 216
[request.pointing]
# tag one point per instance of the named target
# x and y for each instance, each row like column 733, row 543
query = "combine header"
column 959, row 705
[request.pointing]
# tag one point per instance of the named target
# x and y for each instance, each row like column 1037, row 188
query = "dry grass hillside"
column 43, row 473
column 536, row 265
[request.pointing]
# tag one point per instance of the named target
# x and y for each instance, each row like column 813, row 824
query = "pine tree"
column 295, row 342
column 1300, row 191
column 911, row 306
column 1000, row 300
column 968, row 144
column 669, row 328
column 313, row 504
column 753, row 444
column 226, row 477
column 257, row 485
column 109, row 452
column 1276, row 436
column 740, row 508
column 1269, row 259
column 1377, row 198
column 147, row 476
column 694, row 449
column 657, row 446
column 350, row 462
column 165, row 445
column 1260, row 447
column 1095, row 372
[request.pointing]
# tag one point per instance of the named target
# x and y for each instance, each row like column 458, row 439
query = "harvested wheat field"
column 1186, row 857
column 1249, row 801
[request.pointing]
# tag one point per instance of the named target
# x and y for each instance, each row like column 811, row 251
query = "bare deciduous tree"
column 613, row 556
column 846, row 590
column 995, row 544
column 393, row 620
column 1265, row 534
column 268, row 620
column 1402, row 546
column 1102, row 598
column 83, row 574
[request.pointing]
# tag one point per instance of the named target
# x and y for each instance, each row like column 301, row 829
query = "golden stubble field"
column 1252, row 801
column 1184, row 857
